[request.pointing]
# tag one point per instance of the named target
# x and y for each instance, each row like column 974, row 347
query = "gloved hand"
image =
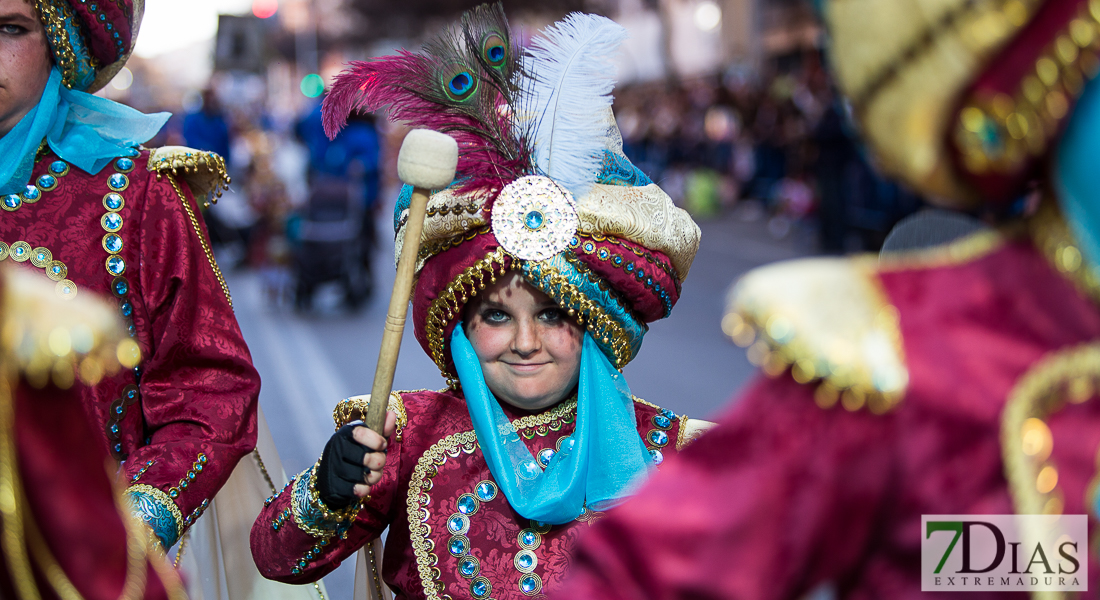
column 352, row 461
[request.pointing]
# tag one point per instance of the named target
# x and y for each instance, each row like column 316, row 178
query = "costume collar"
column 598, row 467
column 82, row 129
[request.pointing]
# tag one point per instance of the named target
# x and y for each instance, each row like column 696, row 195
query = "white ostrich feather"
column 568, row 75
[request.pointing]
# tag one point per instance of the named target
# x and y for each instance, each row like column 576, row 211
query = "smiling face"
column 529, row 350
column 25, row 61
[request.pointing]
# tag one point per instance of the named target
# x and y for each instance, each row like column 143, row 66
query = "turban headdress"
column 542, row 185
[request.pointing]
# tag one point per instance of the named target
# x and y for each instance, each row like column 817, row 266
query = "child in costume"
column 540, row 267
column 953, row 380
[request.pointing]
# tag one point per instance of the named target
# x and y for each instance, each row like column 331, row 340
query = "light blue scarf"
column 1076, row 174
column 602, row 463
column 84, row 130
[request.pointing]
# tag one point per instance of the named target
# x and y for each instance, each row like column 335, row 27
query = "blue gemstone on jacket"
column 486, row 491
column 658, row 438
column 117, row 181
column 113, row 243
column 467, row 505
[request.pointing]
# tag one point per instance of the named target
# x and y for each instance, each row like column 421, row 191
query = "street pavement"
column 309, row 362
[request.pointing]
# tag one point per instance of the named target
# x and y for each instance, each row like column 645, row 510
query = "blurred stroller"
column 333, row 235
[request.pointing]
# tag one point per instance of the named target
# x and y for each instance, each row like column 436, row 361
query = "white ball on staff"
column 427, row 159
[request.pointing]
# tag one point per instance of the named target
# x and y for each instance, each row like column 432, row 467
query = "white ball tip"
column 427, row 159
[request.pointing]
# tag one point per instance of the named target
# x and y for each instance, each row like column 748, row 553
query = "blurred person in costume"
column 539, row 269
column 954, row 379
column 66, row 528
column 87, row 207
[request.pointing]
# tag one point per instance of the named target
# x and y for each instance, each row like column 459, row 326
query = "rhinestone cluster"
column 142, row 471
column 458, row 525
column 658, row 438
column 100, row 16
column 312, row 553
column 534, row 218
column 188, row 477
column 42, row 258
column 111, row 222
column 525, row 560
column 47, row 182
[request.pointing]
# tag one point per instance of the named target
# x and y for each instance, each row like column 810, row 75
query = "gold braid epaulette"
column 827, row 322
column 355, row 407
column 203, row 172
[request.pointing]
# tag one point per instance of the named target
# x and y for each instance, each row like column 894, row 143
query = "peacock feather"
column 462, row 83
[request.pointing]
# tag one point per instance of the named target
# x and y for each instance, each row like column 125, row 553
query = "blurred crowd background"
column 727, row 104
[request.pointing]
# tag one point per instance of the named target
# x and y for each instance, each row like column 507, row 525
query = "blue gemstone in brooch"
column 533, row 220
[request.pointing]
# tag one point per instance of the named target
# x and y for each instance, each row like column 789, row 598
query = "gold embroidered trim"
column 310, row 513
column 1067, row 375
column 355, row 407
column 827, row 320
column 451, row 299
column 430, row 249
column 162, row 499
column 1054, row 239
column 421, row 483
column 681, row 432
column 964, row 250
column 202, row 238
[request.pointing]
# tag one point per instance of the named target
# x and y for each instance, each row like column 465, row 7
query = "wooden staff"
column 427, row 161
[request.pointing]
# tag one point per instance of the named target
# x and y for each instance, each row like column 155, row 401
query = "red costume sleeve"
column 71, row 502
column 781, row 496
column 198, row 386
column 293, row 543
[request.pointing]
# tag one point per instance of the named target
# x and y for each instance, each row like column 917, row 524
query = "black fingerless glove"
column 341, row 467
